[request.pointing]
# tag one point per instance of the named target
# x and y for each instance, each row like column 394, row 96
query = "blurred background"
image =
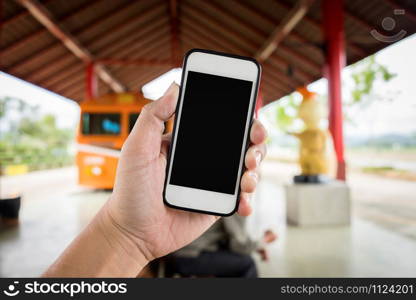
column 75, row 75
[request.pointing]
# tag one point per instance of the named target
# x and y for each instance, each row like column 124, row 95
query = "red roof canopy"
column 136, row 41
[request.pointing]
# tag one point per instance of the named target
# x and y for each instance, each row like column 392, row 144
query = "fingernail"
column 258, row 158
column 254, row 176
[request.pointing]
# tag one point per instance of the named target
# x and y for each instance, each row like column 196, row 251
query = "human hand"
column 136, row 210
column 269, row 236
column 264, row 255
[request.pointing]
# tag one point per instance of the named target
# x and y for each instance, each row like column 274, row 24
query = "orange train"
column 105, row 124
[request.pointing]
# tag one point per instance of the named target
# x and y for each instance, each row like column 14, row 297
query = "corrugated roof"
column 125, row 29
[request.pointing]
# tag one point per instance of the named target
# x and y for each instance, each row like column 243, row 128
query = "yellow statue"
column 313, row 157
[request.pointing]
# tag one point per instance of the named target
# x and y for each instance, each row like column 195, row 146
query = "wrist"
column 101, row 250
column 128, row 251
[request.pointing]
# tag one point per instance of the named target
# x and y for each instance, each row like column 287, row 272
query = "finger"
column 145, row 137
column 163, row 108
column 254, row 156
column 244, row 207
column 166, row 140
column 249, row 181
column 258, row 133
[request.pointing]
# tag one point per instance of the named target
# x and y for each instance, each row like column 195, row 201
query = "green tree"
column 365, row 74
column 28, row 137
column 287, row 112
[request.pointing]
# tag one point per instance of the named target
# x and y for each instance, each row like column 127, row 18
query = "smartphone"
column 211, row 132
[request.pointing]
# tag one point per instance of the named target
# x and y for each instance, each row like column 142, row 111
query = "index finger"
column 258, row 133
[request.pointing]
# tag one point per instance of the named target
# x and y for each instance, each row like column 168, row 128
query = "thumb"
column 162, row 109
column 146, row 135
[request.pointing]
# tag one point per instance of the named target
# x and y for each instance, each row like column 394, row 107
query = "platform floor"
column 380, row 242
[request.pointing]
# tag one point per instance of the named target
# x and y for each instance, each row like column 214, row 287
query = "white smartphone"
column 211, row 132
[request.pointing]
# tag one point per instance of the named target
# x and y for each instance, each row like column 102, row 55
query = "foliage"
column 365, row 74
column 286, row 113
column 29, row 138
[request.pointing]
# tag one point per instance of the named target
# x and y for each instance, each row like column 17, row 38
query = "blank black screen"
column 211, row 132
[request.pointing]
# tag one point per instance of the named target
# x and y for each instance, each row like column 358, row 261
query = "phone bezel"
column 222, row 64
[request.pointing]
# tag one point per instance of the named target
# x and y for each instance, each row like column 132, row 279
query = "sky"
column 397, row 116
column 382, row 117
column 66, row 111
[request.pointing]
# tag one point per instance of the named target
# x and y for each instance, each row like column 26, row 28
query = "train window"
column 99, row 123
column 132, row 120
